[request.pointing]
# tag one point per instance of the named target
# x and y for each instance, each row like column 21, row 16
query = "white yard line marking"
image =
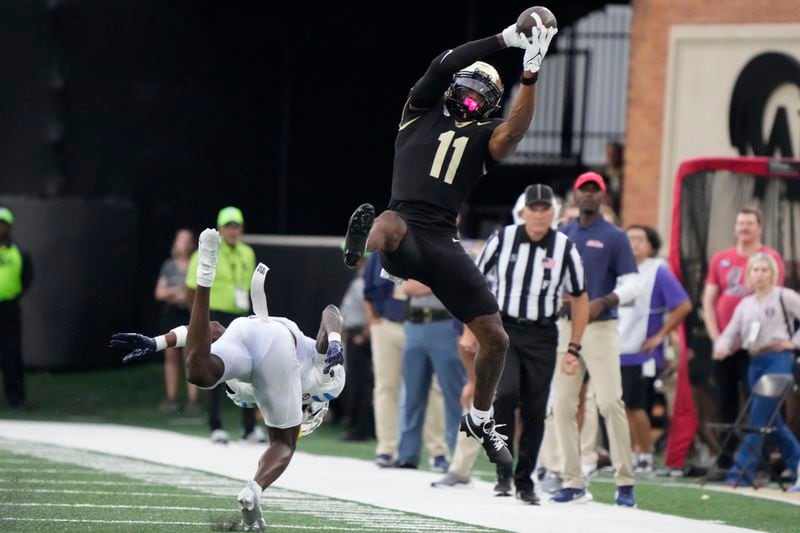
column 107, row 492
column 161, row 523
column 34, row 481
column 119, row 506
column 65, row 471
column 231, row 509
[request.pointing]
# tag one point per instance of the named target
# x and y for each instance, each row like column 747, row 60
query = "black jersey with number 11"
column 437, row 162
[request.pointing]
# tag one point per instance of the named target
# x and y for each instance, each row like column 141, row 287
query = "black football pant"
column 525, row 383
column 217, row 394
column 731, row 381
column 359, row 417
column 11, row 357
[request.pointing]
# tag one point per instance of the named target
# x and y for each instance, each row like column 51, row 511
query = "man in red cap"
column 612, row 279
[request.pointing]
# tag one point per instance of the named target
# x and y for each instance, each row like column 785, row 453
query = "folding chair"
column 776, row 386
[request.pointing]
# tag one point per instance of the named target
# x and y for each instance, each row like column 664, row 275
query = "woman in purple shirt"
column 644, row 325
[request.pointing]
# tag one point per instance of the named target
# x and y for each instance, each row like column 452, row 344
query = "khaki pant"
column 465, row 454
column 387, row 340
column 550, row 456
column 600, row 355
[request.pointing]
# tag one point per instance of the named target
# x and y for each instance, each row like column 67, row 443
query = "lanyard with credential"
column 240, row 299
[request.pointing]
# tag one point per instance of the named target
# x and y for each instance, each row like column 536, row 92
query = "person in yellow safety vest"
column 16, row 273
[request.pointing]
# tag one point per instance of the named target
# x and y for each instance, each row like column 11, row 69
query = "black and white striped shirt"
column 529, row 276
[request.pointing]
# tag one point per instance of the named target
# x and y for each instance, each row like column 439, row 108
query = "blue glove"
column 334, row 356
column 137, row 345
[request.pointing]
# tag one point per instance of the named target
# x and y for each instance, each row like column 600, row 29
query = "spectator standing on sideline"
column 431, row 351
column 724, row 288
column 763, row 326
column 385, row 304
column 16, row 274
column 171, row 292
column 612, row 280
column 644, row 327
column 230, row 299
column 358, row 417
column 533, row 264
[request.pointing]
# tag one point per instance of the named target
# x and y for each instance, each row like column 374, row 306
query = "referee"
column 532, row 263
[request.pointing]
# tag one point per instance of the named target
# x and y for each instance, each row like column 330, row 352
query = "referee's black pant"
column 525, row 382
column 11, row 353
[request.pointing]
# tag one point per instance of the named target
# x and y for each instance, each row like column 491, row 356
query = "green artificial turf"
column 38, row 494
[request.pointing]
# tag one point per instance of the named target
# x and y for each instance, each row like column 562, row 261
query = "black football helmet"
column 483, row 79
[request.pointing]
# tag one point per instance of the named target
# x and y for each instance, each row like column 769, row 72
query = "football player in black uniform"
column 445, row 143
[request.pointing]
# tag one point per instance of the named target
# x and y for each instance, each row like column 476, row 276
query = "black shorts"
column 637, row 390
column 439, row 261
column 173, row 316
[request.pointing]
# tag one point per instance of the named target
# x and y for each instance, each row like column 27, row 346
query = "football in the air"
column 536, row 16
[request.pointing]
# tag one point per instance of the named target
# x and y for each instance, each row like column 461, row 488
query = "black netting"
column 709, row 203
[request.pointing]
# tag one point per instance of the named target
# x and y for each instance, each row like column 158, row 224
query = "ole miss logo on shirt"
column 595, row 243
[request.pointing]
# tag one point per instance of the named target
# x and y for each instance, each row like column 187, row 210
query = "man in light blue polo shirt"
column 612, row 280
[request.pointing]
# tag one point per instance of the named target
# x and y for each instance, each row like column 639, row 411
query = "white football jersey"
column 316, row 385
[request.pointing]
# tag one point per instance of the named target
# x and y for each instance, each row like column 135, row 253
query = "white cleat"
column 252, row 518
column 219, row 436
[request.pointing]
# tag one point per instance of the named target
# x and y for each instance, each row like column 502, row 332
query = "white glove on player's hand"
column 242, row 394
column 207, row 250
column 514, row 39
column 536, row 50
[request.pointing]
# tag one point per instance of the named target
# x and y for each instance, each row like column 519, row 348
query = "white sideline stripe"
column 160, row 523
column 346, row 479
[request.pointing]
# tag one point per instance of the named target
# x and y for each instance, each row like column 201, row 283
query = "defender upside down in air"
column 265, row 361
column 445, row 143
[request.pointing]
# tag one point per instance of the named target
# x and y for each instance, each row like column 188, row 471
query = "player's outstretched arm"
column 507, row 136
column 138, row 345
column 330, row 322
column 430, row 87
column 329, row 337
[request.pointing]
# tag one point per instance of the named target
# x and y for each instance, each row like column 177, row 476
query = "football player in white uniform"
column 266, row 361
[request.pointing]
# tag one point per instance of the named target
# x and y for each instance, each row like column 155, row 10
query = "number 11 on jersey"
column 459, row 145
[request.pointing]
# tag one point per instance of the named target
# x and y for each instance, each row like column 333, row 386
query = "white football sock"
column 208, row 250
column 480, row 417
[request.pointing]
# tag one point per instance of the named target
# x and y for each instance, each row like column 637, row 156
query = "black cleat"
column 493, row 442
column 355, row 242
column 503, row 486
column 528, row 496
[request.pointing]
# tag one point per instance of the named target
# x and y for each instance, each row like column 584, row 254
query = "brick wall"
column 648, row 70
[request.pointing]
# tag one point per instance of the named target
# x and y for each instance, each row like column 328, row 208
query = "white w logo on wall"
column 764, row 115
